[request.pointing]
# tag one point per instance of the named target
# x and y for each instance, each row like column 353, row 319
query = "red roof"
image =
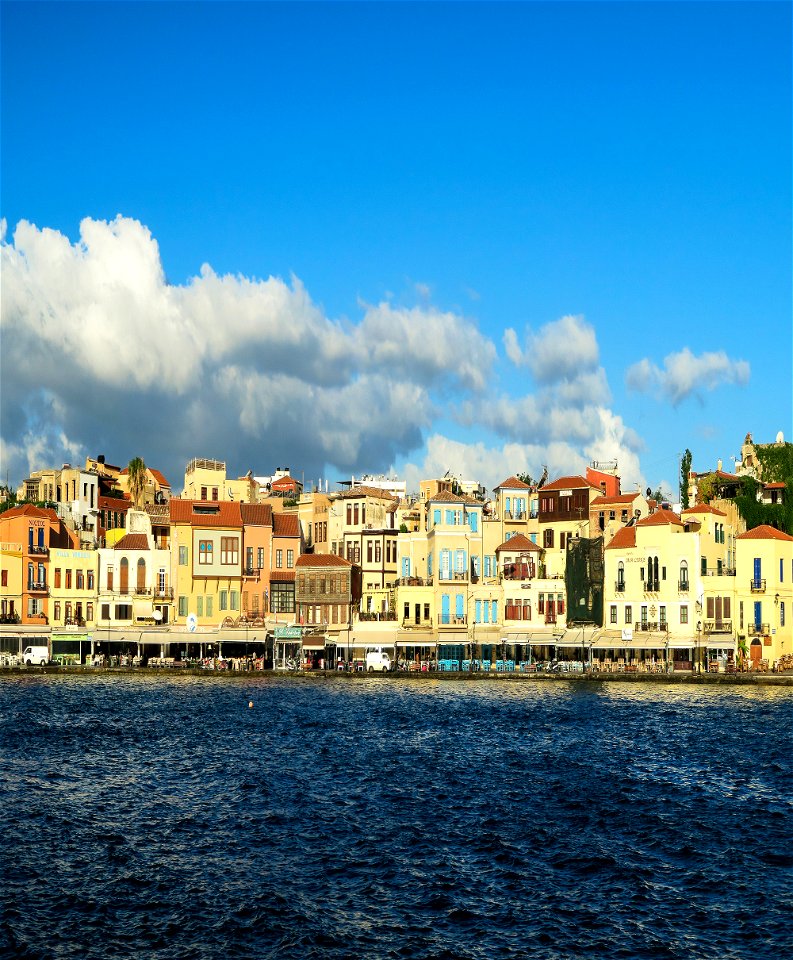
column 776, row 485
column 285, row 483
column 206, row 513
column 159, row 478
column 765, row 532
column 519, row 543
column 133, row 541
column 321, row 560
column 620, row 498
column 512, row 483
column 286, row 525
column 704, row 508
column 30, row 510
column 257, row 514
column 570, row 483
column 282, row 575
column 625, row 537
column 660, row 518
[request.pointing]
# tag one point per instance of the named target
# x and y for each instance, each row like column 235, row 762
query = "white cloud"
column 562, row 349
column 684, row 374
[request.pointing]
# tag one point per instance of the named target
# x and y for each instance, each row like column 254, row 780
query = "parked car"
column 36, row 656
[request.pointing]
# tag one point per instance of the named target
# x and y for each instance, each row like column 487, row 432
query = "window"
column 378, row 555
column 248, row 558
column 106, row 612
column 224, row 600
column 684, row 613
column 80, row 580
column 229, row 550
column 282, row 597
column 90, row 579
column 279, row 559
column 613, row 612
column 199, row 606
column 703, row 566
column 290, row 559
column 89, row 612
column 234, row 600
column 683, row 575
column 57, row 577
column 781, row 613
column 182, row 556
column 620, row 577
column 260, row 558
column 57, row 611
column 210, row 602
column 123, row 611
column 182, row 606
column 662, row 616
column 629, row 614
column 547, row 538
column 203, row 493
column 68, row 579
column 214, row 493
column 205, row 552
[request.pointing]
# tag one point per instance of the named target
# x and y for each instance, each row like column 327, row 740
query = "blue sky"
column 396, row 237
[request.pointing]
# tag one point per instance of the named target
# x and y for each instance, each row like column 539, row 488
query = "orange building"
column 27, row 534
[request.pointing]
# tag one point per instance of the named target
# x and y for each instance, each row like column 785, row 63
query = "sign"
column 627, row 633
column 288, row 633
column 192, row 622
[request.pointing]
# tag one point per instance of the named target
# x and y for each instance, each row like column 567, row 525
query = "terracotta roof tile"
column 659, row 519
column 520, row 543
column 286, row 525
column 571, row 483
column 132, row 541
column 30, row 510
column 703, row 508
column 257, row 514
column 282, row 576
column 159, row 478
column 115, row 503
column 620, row 498
column 321, row 560
column 446, row 496
column 776, row 485
column 363, row 491
column 206, row 513
column 765, row 532
column 625, row 537
column 512, row 483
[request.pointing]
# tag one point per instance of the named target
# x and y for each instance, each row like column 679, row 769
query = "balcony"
column 757, row 586
column 650, row 625
column 166, row 594
column 37, row 586
column 759, row 629
column 412, row 625
column 251, row 571
column 451, row 620
column 142, row 592
column 718, row 626
column 683, row 586
column 652, row 586
column 412, row 582
column 38, row 550
column 619, row 586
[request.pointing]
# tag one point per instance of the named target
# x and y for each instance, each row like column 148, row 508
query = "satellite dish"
column 192, row 622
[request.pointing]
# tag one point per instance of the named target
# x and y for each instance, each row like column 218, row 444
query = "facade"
column 73, row 590
column 286, row 549
column 257, row 540
column 206, row 480
column 764, row 594
column 565, row 506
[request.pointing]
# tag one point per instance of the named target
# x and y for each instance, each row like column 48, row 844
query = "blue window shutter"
column 478, row 611
column 458, row 608
column 495, row 611
column 436, row 516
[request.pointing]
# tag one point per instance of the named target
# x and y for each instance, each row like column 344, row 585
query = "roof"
column 282, row 576
column 117, row 503
column 775, row 485
column 286, row 525
column 133, row 541
column 30, row 510
column 159, row 513
column 445, row 496
column 287, row 482
column 519, row 542
column 620, row 498
column 257, row 514
column 660, row 518
column 717, row 473
column 159, row 477
column 704, row 508
column 321, row 560
column 363, row 491
column 512, row 483
column 206, row 513
column 765, row 532
column 624, row 537
column 570, row 483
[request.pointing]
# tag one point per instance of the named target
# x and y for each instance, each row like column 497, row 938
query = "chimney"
column 718, row 465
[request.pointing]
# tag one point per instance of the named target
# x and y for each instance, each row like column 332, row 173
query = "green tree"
column 526, row 478
column 685, row 469
column 136, row 470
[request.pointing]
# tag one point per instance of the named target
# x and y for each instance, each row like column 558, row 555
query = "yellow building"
column 764, row 589
column 73, row 590
column 206, row 480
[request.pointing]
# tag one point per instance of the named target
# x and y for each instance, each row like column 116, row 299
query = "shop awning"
column 314, row 643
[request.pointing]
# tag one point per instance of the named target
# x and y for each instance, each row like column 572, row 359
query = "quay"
column 749, row 679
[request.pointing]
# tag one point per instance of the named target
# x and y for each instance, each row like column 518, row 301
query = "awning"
column 314, row 643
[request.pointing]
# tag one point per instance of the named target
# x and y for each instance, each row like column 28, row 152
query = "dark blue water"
column 392, row 818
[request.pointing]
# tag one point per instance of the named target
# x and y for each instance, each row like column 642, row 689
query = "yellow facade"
column 73, row 587
column 764, row 588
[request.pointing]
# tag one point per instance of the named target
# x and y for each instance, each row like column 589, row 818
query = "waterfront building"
column 287, row 546
column 112, row 519
column 531, row 603
column 565, row 506
column 73, row 588
column 206, row 560
column 257, row 541
column 28, row 534
column 512, row 509
column 610, row 512
column 205, row 479
column 156, row 488
column 764, row 592
column 327, row 591
column 313, row 511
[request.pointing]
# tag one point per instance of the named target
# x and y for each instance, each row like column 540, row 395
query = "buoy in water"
column 250, row 704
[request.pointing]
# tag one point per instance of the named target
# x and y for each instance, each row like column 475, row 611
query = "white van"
column 36, row 656
column 378, row 660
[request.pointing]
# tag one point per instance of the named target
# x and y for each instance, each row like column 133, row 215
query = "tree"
column 685, row 469
column 526, row 478
column 136, row 469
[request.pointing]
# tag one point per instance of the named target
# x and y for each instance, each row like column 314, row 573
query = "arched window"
column 140, row 586
column 683, row 575
column 124, row 575
column 621, row 576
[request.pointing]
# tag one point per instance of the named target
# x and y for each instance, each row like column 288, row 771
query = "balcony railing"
column 412, row 625
column 413, row 582
column 35, row 548
column 757, row 586
column 718, row 626
column 37, row 586
column 759, row 629
column 683, row 586
column 166, row 594
column 652, row 586
column 718, row 572
column 619, row 586
column 449, row 575
column 650, row 625
column 452, row 620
